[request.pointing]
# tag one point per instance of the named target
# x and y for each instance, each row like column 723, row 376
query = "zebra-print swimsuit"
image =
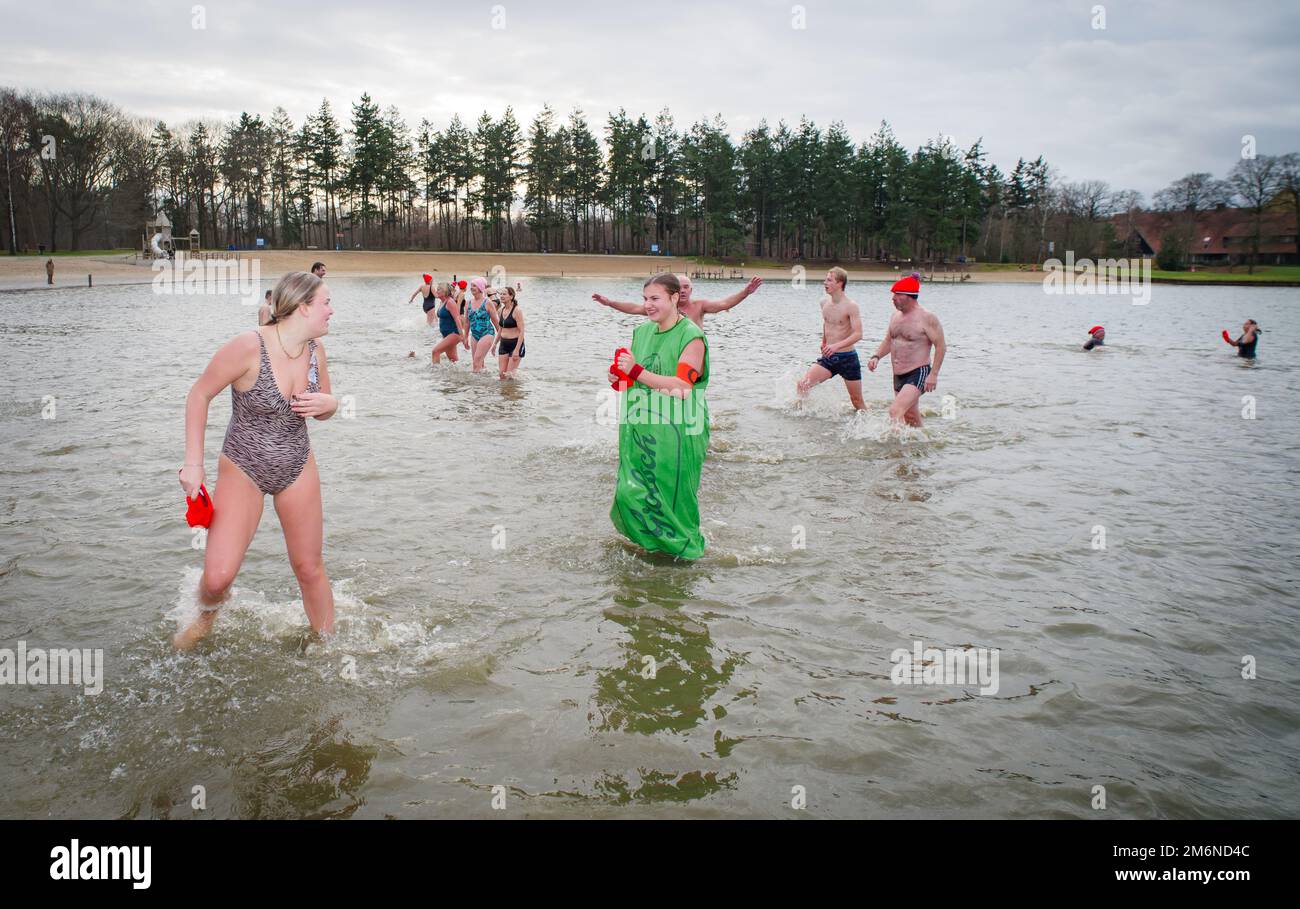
column 266, row 439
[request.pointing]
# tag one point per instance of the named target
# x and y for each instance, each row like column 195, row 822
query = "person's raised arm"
column 226, row 365
column 934, row 331
column 716, row 306
column 416, row 294
column 319, row 404
column 690, row 362
column 632, row 309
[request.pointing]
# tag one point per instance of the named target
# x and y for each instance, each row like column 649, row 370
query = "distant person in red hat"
column 913, row 331
column 1096, row 338
column 841, row 332
column 425, row 292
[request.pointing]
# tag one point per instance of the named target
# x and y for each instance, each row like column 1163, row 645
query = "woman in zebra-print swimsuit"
column 266, row 450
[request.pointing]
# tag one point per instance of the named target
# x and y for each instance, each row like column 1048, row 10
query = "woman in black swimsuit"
column 425, row 290
column 510, row 350
column 1249, row 338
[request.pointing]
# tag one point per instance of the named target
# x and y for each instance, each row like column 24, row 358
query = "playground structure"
column 158, row 242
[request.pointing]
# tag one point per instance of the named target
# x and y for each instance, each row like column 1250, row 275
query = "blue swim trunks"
column 845, row 364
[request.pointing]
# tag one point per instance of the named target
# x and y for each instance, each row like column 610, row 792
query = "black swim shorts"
column 916, row 377
column 845, row 363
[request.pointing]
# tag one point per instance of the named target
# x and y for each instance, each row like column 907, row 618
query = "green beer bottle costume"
column 661, row 445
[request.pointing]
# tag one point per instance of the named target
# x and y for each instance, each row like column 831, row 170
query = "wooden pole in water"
column 89, row 281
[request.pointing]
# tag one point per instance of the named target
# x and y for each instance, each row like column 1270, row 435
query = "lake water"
column 459, row 666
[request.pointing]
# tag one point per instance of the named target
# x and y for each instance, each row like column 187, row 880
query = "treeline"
column 80, row 173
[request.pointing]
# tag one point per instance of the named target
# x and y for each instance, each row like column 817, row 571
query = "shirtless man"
column 912, row 332
column 693, row 309
column 841, row 331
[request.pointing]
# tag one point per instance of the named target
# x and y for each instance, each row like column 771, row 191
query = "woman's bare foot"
column 196, row 631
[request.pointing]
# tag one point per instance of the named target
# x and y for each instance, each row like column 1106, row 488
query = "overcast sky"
column 1164, row 89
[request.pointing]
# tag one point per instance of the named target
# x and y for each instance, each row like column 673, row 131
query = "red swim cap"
column 1095, row 329
column 908, row 285
column 463, row 284
column 428, row 279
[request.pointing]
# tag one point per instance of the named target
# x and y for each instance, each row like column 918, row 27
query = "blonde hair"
column 443, row 290
column 295, row 289
column 840, row 275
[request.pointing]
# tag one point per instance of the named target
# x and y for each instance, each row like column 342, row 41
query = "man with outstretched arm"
column 691, row 307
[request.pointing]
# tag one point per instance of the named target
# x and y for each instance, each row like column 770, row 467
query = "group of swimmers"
column 278, row 376
column 1244, row 343
column 489, row 319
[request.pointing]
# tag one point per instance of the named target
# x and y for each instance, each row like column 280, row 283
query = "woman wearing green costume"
column 663, row 430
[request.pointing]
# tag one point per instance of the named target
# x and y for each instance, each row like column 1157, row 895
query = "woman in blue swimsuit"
column 481, row 315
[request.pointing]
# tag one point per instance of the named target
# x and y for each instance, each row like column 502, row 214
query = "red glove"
column 1227, row 337
column 198, row 511
column 618, row 380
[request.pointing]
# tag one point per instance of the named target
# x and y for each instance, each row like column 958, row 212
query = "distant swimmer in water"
column 278, row 377
column 481, row 314
column 691, row 307
column 264, row 311
column 1096, row 338
column 510, row 350
column 841, row 332
column 1250, row 332
column 318, row 269
column 913, row 330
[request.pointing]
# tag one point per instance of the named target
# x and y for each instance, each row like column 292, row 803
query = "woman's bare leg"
column 446, row 346
column 237, row 510
column 481, row 348
column 299, row 508
column 503, row 366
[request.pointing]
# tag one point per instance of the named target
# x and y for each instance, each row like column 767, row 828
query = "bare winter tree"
column 1255, row 181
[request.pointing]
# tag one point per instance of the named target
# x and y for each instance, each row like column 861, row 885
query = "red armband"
column 688, row 373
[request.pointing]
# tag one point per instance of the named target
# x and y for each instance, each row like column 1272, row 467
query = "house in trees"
column 1219, row 236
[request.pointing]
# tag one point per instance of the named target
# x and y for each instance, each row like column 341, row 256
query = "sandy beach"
column 28, row 272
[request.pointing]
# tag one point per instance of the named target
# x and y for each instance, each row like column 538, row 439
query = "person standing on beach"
column 318, row 269
column 841, row 331
column 49, row 272
column 277, row 377
column 913, row 331
column 693, row 308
